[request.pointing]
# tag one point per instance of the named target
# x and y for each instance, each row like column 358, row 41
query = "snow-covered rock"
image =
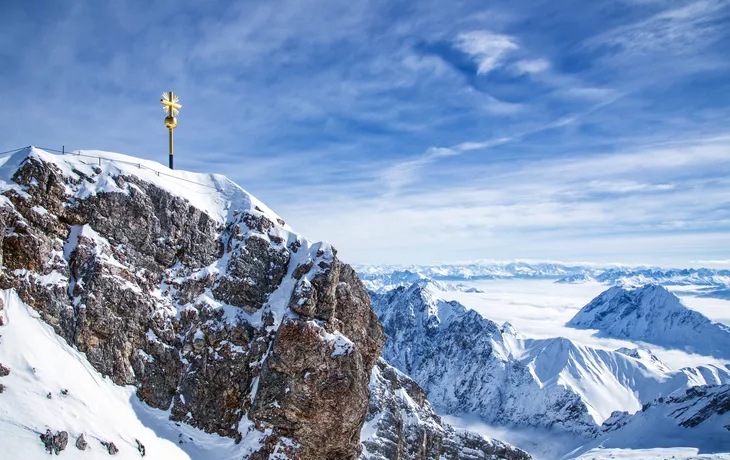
column 469, row 364
column 402, row 424
column 682, row 425
column 652, row 314
column 188, row 290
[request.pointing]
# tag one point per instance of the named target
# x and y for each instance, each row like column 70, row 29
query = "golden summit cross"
column 171, row 106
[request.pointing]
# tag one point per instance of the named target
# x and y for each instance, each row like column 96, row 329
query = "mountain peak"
column 653, row 314
column 192, row 292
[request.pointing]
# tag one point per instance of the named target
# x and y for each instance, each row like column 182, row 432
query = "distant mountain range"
column 705, row 281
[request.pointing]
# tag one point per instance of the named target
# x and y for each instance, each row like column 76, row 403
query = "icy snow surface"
column 41, row 362
column 213, row 193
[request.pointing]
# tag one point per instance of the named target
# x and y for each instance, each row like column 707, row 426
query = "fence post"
column 63, row 150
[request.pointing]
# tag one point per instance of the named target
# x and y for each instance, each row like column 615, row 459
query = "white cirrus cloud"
column 486, row 48
column 531, row 66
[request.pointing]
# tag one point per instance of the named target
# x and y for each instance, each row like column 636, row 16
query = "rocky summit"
column 158, row 313
column 212, row 307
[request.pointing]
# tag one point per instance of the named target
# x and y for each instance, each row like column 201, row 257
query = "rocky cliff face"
column 198, row 295
column 402, row 425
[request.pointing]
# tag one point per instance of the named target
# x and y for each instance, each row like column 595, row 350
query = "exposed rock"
column 401, row 424
column 140, row 448
column 60, row 441
column 313, row 374
column 81, row 443
column 54, row 443
column 110, row 447
column 192, row 309
column 4, row 371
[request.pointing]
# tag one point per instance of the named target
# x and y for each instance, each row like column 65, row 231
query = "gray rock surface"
column 81, row 443
column 402, row 424
column 54, row 443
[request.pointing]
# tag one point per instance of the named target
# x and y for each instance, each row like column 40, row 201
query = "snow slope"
column 699, row 416
column 214, row 194
column 653, row 314
column 42, row 363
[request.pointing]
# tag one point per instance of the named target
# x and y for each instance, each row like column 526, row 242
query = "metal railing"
column 78, row 153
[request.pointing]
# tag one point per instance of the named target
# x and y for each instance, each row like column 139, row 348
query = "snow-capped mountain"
column 711, row 282
column 402, row 424
column 172, row 314
column 388, row 281
column 652, row 314
column 699, row 416
column 578, row 278
column 469, row 364
column 474, row 271
column 668, row 277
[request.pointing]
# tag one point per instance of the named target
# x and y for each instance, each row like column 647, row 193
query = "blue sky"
column 408, row 132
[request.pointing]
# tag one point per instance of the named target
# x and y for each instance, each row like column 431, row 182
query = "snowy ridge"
column 214, row 194
column 653, row 314
column 469, row 364
column 388, row 281
column 481, row 270
column 699, row 416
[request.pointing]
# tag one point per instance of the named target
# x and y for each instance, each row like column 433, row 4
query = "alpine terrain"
column 468, row 364
column 652, row 314
column 171, row 315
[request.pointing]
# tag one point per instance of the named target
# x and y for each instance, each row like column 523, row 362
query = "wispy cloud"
column 680, row 30
column 486, row 48
column 531, row 66
column 455, row 131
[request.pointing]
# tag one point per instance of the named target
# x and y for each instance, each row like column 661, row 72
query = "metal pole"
column 171, row 149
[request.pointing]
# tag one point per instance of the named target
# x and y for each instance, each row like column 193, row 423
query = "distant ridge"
column 653, row 314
